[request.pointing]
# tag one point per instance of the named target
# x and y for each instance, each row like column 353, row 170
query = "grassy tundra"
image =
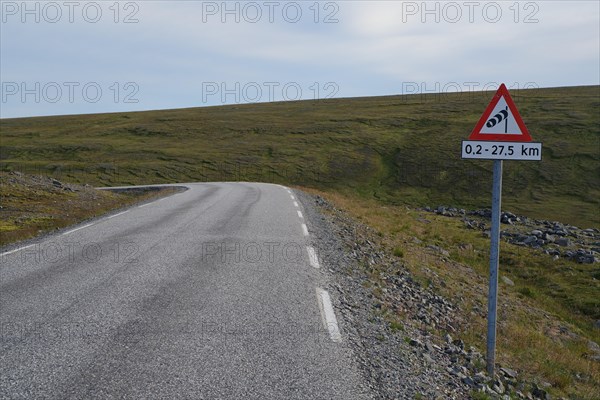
column 378, row 158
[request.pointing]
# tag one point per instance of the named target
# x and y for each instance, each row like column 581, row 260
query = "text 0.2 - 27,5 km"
column 501, row 150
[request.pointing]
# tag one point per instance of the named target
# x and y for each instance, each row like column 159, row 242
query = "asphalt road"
column 207, row 294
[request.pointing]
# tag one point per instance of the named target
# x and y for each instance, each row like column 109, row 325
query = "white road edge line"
column 144, row 205
column 15, row 250
column 305, row 229
column 328, row 315
column 312, row 257
column 77, row 229
column 116, row 215
column 300, row 214
column 296, row 204
column 65, row 233
column 292, row 196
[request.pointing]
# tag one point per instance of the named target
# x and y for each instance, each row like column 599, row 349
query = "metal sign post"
column 494, row 260
column 493, row 140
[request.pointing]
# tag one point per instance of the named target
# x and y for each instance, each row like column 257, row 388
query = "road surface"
column 212, row 293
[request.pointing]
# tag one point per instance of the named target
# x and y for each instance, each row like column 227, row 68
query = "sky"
column 74, row 57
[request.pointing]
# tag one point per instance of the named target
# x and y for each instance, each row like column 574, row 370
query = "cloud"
column 372, row 49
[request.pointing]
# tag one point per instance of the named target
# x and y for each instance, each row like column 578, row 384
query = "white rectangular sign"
column 485, row 150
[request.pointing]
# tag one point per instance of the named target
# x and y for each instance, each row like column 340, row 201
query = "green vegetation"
column 373, row 157
column 480, row 396
column 32, row 205
column 397, row 149
column 398, row 252
column 546, row 319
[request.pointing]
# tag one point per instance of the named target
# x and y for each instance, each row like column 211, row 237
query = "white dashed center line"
column 300, row 214
column 296, row 204
column 312, row 257
column 328, row 315
column 304, row 229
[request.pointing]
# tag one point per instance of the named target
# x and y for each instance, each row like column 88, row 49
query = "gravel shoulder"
column 397, row 362
column 412, row 306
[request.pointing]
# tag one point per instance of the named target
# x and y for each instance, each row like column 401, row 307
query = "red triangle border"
column 477, row 135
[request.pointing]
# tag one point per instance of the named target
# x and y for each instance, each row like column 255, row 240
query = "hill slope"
column 396, row 148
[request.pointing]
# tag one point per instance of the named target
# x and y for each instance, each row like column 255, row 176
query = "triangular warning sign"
column 501, row 121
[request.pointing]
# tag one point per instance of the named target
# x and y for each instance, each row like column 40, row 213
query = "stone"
column 508, row 281
column 569, row 254
column 491, row 391
column 481, row 377
column 430, row 348
column 549, row 238
column 468, row 381
column 540, row 394
column 466, row 246
column 438, row 249
column 56, row 183
column 510, row 373
column 563, row 241
column 498, row 387
column 585, row 257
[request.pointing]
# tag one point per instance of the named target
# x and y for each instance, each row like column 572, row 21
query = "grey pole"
column 494, row 258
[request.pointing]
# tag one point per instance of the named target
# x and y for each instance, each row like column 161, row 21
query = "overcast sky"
column 88, row 57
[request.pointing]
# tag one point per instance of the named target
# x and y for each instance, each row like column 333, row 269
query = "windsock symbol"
column 496, row 119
